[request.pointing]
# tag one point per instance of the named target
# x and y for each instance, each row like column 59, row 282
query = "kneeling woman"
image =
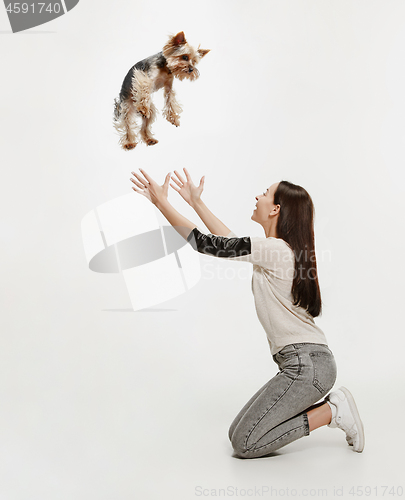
column 287, row 298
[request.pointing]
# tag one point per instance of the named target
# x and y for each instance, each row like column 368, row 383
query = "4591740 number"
column 34, row 8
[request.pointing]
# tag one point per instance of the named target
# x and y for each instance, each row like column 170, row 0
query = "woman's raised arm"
column 192, row 195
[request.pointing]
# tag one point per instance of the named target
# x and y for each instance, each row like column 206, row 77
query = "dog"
column 178, row 60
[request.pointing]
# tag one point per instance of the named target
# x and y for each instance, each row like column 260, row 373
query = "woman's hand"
column 190, row 193
column 151, row 189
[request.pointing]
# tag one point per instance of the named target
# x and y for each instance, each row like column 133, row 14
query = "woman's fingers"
column 139, row 177
column 142, row 181
column 180, row 177
column 142, row 191
column 182, row 182
column 166, row 183
column 137, row 183
column 187, row 175
column 177, row 182
column 148, row 178
column 147, row 186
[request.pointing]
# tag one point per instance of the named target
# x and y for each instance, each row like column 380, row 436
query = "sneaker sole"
column 356, row 416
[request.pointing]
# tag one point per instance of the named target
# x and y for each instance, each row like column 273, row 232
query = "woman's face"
column 265, row 205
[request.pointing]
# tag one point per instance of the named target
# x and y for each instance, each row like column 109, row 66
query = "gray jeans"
column 277, row 414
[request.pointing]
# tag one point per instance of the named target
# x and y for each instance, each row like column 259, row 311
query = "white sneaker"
column 347, row 417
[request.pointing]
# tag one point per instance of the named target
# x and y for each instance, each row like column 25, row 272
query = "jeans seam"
column 278, row 439
column 275, row 402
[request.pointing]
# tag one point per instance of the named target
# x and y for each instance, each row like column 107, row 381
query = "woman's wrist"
column 160, row 204
column 197, row 204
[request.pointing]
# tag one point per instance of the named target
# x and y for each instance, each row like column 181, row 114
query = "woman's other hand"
column 188, row 191
column 151, row 189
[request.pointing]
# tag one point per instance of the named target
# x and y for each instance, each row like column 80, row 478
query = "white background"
column 97, row 401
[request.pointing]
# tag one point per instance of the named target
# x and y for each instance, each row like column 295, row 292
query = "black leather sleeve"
column 219, row 246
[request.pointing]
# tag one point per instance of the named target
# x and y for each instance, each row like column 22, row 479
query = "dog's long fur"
column 177, row 60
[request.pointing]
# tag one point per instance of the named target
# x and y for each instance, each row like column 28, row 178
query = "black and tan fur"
column 177, row 60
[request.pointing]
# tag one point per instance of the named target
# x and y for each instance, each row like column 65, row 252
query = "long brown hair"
column 295, row 225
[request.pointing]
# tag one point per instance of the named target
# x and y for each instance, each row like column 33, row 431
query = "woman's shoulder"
column 260, row 243
column 271, row 242
column 272, row 251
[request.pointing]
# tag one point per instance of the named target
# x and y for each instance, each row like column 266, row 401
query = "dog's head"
column 182, row 58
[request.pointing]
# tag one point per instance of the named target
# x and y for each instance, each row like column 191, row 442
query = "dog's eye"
column 185, row 58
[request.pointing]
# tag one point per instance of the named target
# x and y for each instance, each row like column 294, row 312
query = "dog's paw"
column 174, row 120
column 144, row 111
column 151, row 142
column 129, row 146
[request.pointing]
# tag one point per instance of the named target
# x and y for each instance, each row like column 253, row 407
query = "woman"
column 287, row 298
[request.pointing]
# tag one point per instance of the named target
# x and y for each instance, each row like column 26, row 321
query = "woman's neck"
column 271, row 231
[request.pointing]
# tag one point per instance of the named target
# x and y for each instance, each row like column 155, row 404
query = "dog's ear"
column 202, row 52
column 174, row 43
column 179, row 39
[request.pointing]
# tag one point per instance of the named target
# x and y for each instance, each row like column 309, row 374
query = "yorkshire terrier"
column 177, row 59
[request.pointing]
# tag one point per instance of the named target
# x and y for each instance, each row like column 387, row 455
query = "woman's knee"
column 233, row 426
column 240, row 445
column 240, row 450
column 243, row 450
column 230, row 432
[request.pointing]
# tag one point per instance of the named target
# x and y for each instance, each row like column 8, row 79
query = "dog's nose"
column 190, row 69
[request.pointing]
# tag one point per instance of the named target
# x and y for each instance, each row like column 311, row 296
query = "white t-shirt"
column 273, row 274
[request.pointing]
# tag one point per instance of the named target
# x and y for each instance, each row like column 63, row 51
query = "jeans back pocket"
column 324, row 370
